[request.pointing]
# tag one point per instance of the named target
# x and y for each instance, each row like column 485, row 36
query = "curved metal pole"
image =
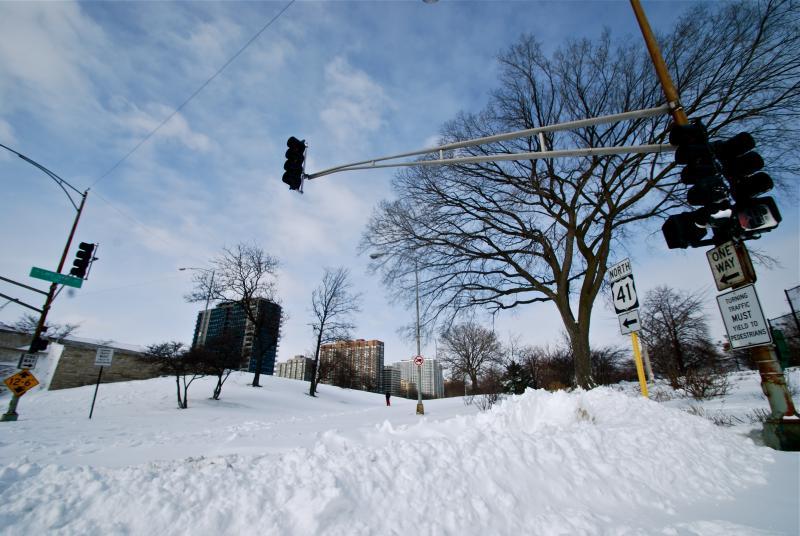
column 58, row 180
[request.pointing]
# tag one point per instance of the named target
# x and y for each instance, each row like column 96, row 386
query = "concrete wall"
column 76, row 367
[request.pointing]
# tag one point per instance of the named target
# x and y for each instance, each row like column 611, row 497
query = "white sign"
column 624, row 294
column 419, row 360
column 629, row 322
column 27, row 361
column 726, row 266
column 620, row 270
column 743, row 318
column 103, row 357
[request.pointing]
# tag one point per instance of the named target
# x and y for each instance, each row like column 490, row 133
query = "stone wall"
column 76, row 367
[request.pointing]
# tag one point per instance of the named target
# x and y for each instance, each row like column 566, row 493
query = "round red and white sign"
column 419, row 360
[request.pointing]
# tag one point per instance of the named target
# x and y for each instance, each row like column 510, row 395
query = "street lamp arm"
column 58, row 180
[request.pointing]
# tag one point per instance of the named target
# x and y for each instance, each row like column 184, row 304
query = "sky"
column 84, row 84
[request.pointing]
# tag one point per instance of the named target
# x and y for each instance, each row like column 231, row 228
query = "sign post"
column 626, row 305
column 102, row 359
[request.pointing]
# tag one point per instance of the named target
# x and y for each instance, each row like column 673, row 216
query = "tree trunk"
column 178, row 387
column 218, row 388
column 313, row 388
column 581, row 356
column 473, row 378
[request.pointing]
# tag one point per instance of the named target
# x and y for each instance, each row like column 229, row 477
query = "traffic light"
column 707, row 190
column 741, row 165
column 295, row 160
column 83, row 257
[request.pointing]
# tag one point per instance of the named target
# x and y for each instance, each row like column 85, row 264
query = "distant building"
column 251, row 339
column 360, row 359
column 391, row 380
column 297, row 368
column 432, row 377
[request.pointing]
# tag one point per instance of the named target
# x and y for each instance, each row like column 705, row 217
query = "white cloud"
column 356, row 104
column 6, row 138
column 140, row 122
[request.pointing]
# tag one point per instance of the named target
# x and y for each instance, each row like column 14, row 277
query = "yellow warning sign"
column 20, row 382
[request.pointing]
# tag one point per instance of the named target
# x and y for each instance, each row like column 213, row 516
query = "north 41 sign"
column 624, row 294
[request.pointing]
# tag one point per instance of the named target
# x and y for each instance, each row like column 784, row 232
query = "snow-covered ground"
column 276, row 461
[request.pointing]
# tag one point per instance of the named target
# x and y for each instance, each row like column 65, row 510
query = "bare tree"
column 27, row 324
column 219, row 357
column 242, row 275
column 469, row 350
column 675, row 330
column 176, row 361
column 499, row 235
column 332, row 304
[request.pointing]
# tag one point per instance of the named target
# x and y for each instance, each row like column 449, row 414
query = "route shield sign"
column 730, row 265
column 20, row 382
column 624, row 295
column 629, row 322
column 744, row 321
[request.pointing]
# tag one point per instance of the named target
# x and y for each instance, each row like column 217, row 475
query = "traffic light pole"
column 11, row 414
column 779, row 433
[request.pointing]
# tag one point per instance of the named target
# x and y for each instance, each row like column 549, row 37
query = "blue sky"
column 83, row 83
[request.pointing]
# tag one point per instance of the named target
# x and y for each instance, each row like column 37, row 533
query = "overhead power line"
column 193, row 95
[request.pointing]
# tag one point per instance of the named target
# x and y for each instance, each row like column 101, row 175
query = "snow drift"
column 596, row 462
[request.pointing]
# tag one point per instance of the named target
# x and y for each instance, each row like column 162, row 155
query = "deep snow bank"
column 542, row 463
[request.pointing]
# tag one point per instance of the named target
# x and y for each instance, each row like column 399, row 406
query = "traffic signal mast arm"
column 374, row 162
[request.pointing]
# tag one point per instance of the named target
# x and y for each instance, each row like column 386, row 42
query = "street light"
column 11, row 414
column 420, row 407
column 204, row 325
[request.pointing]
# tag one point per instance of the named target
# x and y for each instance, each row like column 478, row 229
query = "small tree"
column 516, row 378
column 469, row 349
column 27, row 324
column 675, row 329
column 176, row 361
column 243, row 275
column 219, row 357
column 332, row 304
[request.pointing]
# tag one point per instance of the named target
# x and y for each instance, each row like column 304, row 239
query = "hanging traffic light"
column 741, row 165
column 83, row 257
column 39, row 344
column 683, row 230
column 295, row 160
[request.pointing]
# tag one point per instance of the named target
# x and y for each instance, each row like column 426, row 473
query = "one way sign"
column 629, row 322
column 730, row 265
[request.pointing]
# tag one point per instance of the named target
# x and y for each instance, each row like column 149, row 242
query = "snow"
column 276, row 461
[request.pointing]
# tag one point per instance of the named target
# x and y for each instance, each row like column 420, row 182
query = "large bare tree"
column 333, row 303
column 243, row 275
column 499, row 235
column 469, row 349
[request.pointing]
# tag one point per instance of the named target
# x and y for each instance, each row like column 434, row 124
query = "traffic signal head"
column 693, row 151
column 295, row 160
column 684, row 230
column 83, row 257
column 740, row 165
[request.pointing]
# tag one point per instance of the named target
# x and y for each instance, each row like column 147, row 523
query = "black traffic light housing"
column 39, row 344
column 83, row 258
column 295, row 162
column 717, row 172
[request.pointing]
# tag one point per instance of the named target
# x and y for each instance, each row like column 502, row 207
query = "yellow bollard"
column 637, row 355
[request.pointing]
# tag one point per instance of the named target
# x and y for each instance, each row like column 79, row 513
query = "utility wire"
column 193, row 95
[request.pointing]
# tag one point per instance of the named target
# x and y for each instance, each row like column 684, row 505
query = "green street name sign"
column 55, row 277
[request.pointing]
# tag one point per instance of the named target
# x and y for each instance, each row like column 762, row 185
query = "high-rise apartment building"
column 432, row 377
column 391, row 380
column 297, row 368
column 360, row 360
column 252, row 340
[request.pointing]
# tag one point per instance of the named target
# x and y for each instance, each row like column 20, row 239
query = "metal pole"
column 670, row 92
column 205, row 312
column 420, row 407
column 11, row 414
column 639, row 367
column 96, row 387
